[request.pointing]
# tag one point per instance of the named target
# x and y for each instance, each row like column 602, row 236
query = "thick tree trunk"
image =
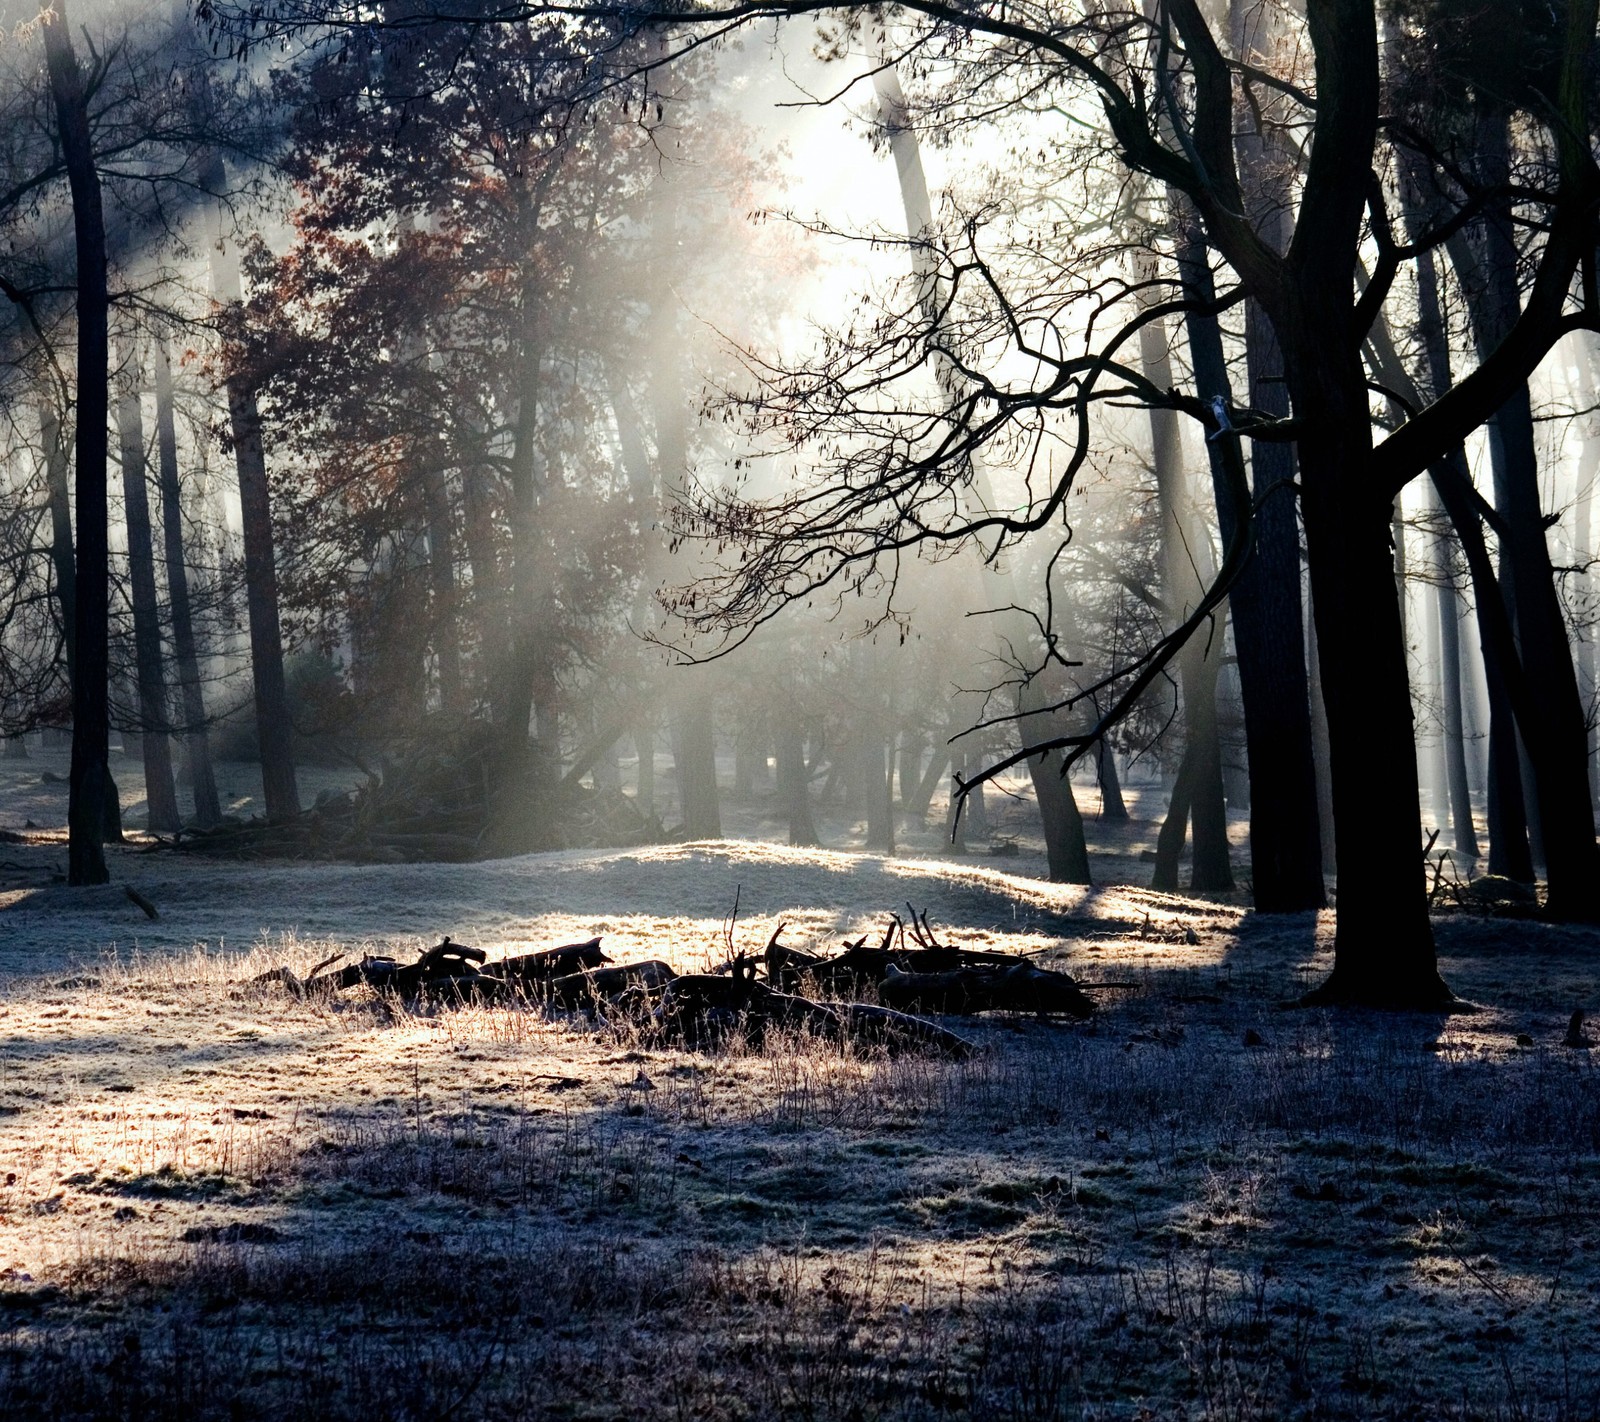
column 90, row 777
column 154, row 714
column 1065, row 849
column 875, row 774
column 197, row 744
column 1583, row 537
column 1319, row 745
column 921, row 796
column 694, row 755
column 1383, row 946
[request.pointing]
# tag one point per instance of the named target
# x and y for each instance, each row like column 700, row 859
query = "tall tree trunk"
column 274, row 731
column 1287, row 832
column 196, row 740
column 154, row 713
column 90, row 777
column 1174, row 827
column 1383, row 946
column 1059, row 818
column 694, row 752
column 1583, row 537
column 1509, row 855
column 1184, row 563
column 488, row 604
column 61, row 554
column 1556, row 739
column 794, row 778
column 1452, row 732
column 446, row 636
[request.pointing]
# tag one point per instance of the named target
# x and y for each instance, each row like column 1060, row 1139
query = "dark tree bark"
column 1285, row 837
column 1113, row 808
column 62, row 561
column 90, row 777
column 154, row 714
column 1186, row 565
column 794, row 778
column 1065, row 849
column 694, row 753
column 196, row 740
column 274, row 731
column 1174, row 827
column 446, row 637
column 1447, row 603
column 1556, row 738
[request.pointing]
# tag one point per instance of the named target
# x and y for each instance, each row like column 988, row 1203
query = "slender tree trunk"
column 61, row 554
column 446, row 636
column 1452, row 731
column 1286, row 852
column 644, row 788
column 488, row 603
column 1184, row 562
column 794, row 779
column 90, row 778
column 1319, row 743
column 1174, row 828
column 1113, row 808
column 1058, row 810
column 197, row 744
column 274, row 731
column 1583, row 515
column 1509, row 855
column 154, row 714
column 1556, row 737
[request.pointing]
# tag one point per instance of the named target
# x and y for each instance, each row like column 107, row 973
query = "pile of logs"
column 782, row 989
column 912, row 971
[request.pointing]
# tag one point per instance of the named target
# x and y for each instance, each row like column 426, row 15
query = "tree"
column 90, row 781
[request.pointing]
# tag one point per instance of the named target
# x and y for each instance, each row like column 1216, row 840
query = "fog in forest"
column 799, row 711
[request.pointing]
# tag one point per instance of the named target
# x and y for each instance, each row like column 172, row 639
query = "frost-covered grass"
column 218, row 1202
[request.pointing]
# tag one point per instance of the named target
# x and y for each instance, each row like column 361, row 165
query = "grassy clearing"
column 217, row 1203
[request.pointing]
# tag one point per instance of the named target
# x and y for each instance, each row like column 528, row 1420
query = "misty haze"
column 799, row 710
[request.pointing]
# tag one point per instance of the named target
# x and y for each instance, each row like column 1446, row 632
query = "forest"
column 799, row 709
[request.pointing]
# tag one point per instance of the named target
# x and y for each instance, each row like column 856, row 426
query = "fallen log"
column 594, row 986
column 703, row 1010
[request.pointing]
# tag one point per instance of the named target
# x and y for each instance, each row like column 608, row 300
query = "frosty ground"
column 217, row 1201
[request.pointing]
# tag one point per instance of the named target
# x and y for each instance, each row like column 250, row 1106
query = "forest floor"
column 220, row 1202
